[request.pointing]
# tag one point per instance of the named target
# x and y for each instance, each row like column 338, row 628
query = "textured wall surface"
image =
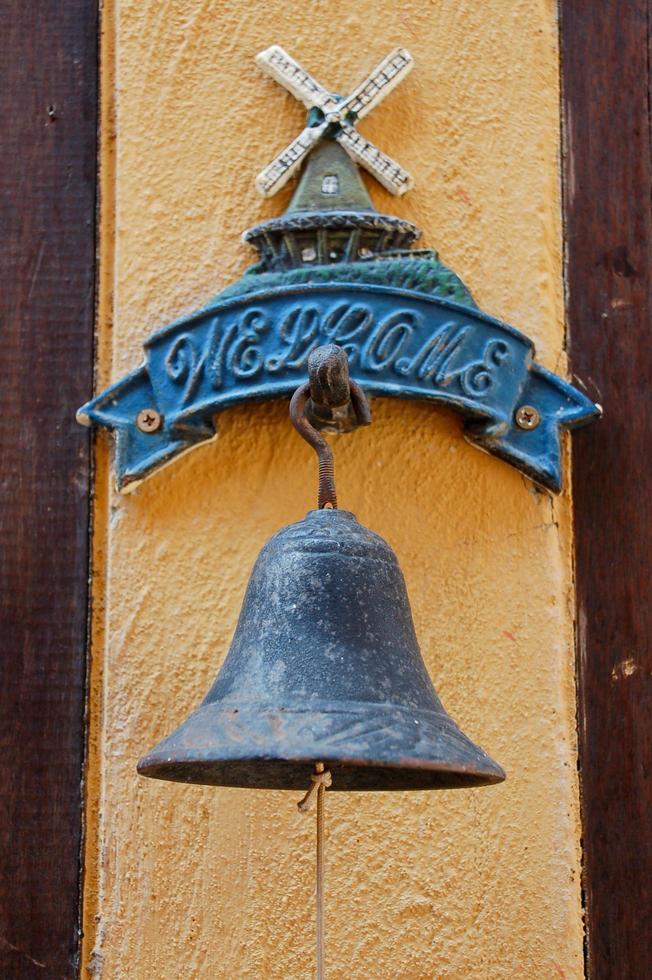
column 198, row 882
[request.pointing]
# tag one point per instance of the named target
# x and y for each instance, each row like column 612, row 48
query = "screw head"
column 149, row 420
column 527, row 417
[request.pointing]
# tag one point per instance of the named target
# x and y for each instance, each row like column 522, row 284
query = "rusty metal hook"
column 334, row 402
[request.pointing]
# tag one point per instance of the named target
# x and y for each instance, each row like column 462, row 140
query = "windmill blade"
column 386, row 171
column 379, row 83
column 278, row 172
column 278, row 64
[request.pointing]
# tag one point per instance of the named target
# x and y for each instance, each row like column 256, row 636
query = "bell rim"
column 216, row 745
column 423, row 777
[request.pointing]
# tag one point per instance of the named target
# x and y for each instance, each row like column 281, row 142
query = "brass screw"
column 149, row 420
column 527, row 417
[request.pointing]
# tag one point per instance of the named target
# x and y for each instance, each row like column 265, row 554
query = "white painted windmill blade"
column 278, row 64
column 362, row 151
column 379, row 83
column 277, row 173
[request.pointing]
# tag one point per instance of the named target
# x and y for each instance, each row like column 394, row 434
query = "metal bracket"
column 336, row 403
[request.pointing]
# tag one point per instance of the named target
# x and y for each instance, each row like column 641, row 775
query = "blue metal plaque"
column 334, row 270
column 399, row 343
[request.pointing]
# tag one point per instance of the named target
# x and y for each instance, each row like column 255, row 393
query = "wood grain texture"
column 608, row 176
column 47, row 192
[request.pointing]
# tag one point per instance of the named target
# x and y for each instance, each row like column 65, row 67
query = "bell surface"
column 324, row 666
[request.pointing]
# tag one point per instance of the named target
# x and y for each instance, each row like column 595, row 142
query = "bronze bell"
column 324, row 665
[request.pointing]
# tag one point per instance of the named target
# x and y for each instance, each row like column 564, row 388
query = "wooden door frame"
column 605, row 60
column 48, row 153
column 48, row 174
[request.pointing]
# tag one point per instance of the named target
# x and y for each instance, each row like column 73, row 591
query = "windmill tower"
column 330, row 218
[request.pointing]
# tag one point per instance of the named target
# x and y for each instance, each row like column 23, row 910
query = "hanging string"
column 321, row 780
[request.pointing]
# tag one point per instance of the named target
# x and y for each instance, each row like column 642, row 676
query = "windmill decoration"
column 332, row 269
column 334, row 117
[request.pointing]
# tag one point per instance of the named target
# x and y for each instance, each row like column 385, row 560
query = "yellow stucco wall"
column 185, row 882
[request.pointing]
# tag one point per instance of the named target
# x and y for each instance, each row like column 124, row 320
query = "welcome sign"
column 400, row 343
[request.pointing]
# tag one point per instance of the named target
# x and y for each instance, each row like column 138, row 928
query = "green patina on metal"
column 424, row 273
column 331, row 233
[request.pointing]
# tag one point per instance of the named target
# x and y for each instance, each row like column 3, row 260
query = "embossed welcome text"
column 261, row 344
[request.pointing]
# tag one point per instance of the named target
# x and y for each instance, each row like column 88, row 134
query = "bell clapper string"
column 321, row 780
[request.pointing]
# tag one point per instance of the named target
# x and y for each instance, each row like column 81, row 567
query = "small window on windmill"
column 330, row 184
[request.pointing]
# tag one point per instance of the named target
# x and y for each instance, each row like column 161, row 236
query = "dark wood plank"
column 47, row 204
column 608, row 180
